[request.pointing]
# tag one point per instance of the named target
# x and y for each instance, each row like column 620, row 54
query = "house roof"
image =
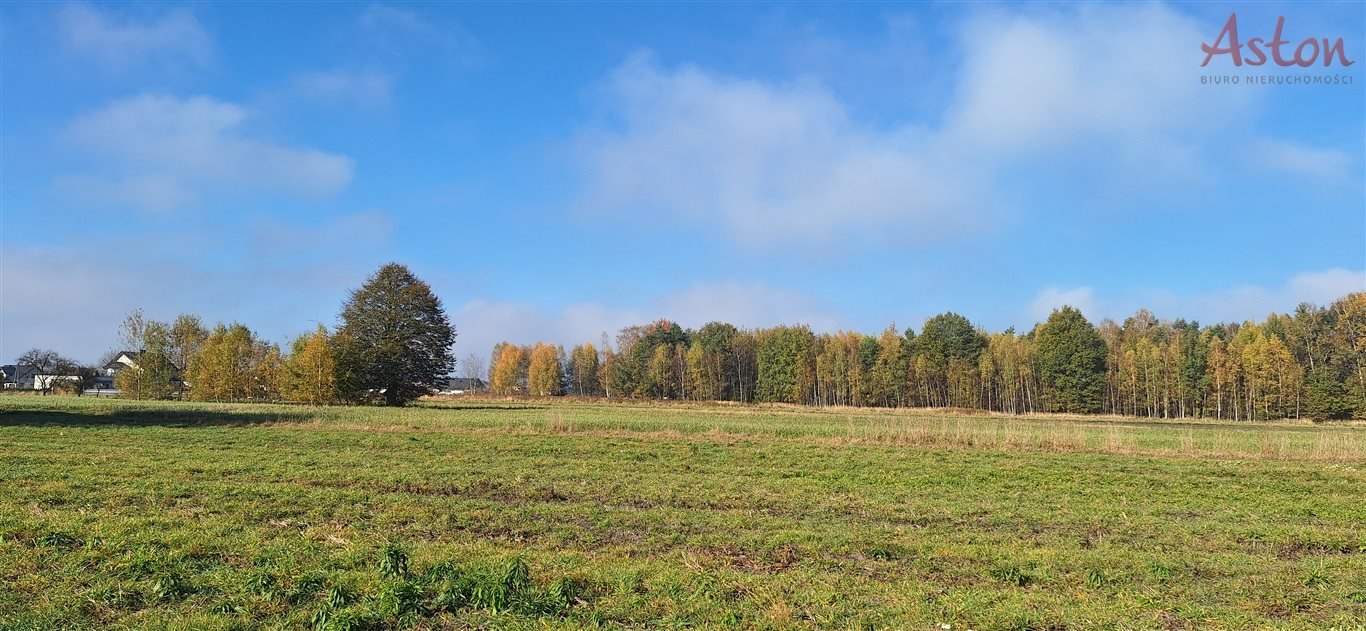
column 133, row 357
column 18, row 372
column 464, row 383
column 115, row 363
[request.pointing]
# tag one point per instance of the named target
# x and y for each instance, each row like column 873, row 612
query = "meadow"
column 576, row 514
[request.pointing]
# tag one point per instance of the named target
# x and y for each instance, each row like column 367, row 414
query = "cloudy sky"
column 558, row 171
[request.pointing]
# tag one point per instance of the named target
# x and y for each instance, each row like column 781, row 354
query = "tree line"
column 392, row 345
column 1309, row 364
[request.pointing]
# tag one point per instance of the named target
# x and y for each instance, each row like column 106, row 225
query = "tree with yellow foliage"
column 310, row 372
column 504, row 378
column 544, row 373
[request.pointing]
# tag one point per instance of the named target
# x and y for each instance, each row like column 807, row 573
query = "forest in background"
column 1308, row 364
column 1311, row 363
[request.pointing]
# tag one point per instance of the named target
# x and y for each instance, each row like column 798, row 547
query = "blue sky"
column 556, row 171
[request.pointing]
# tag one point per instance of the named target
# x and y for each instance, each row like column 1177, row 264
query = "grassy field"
column 571, row 515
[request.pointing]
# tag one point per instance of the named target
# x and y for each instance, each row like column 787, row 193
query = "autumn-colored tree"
column 583, row 370
column 187, row 335
column 310, row 372
column 232, row 365
column 888, row 381
column 1349, row 344
column 155, row 376
column 543, row 372
column 660, row 374
column 505, row 377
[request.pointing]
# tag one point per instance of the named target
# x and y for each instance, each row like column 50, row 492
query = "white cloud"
column 1326, row 286
column 400, row 32
column 762, row 162
column 1233, row 304
column 745, row 304
column 1106, row 98
column 1299, row 159
column 366, row 89
column 162, row 153
column 1080, row 298
column 119, row 42
column 1124, row 75
column 72, row 297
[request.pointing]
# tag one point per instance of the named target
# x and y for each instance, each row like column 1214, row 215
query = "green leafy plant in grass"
column 228, row 608
column 339, row 597
column 451, row 587
column 1012, row 575
column 1315, row 577
column 171, row 587
column 59, row 540
column 334, row 615
column 261, row 584
column 1097, row 579
column 305, row 589
column 516, row 575
column 507, row 587
column 401, row 601
column 116, row 597
column 393, row 561
column 883, row 553
column 327, row 619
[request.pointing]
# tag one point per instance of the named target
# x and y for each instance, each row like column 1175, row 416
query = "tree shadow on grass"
column 145, row 417
column 457, row 408
column 192, row 415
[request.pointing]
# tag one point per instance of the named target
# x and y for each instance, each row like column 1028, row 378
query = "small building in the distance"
column 125, row 359
column 461, row 385
column 18, row 377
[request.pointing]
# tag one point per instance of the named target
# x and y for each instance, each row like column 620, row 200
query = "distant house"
column 125, row 359
column 18, row 377
column 47, row 382
column 461, row 385
column 25, row 377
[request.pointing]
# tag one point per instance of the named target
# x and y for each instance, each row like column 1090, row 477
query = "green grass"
column 572, row 515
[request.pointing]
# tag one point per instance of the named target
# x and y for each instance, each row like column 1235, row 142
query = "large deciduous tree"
column 394, row 342
column 1071, row 362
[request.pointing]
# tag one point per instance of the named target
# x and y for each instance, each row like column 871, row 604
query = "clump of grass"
column 407, row 596
column 305, row 589
column 393, row 561
column 261, row 584
column 1017, row 575
column 1098, row 578
column 883, row 553
column 401, row 601
column 170, row 587
column 56, row 539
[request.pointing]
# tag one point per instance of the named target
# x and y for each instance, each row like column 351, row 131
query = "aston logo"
column 1304, row 54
